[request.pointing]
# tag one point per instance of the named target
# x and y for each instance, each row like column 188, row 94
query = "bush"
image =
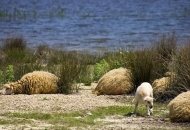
column 70, row 70
column 115, row 59
column 141, row 63
column 182, row 69
column 7, row 76
column 100, row 69
column 177, row 61
column 14, row 43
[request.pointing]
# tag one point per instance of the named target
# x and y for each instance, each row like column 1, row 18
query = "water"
column 93, row 25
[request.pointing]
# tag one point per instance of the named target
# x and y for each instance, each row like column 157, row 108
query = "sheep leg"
column 151, row 110
column 148, row 110
column 136, row 105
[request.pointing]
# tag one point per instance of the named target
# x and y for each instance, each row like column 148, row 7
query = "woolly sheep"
column 144, row 95
column 115, row 82
column 37, row 82
column 162, row 84
column 179, row 108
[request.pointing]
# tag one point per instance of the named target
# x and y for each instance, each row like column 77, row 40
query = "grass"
column 79, row 119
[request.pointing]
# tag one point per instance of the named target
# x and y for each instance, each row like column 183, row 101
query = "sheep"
column 115, row 82
column 37, row 82
column 160, row 86
column 144, row 95
column 179, row 108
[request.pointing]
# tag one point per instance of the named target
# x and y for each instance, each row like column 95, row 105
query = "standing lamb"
column 37, row 82
column 144, row 95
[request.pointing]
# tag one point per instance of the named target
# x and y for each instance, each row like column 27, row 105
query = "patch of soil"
column 139, row 123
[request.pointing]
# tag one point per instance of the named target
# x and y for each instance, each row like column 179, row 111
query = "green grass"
column 80, row 119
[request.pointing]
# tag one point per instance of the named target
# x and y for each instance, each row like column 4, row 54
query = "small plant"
column 45, row 98
column 100, row 69
column 9, row 73
column 7, row 76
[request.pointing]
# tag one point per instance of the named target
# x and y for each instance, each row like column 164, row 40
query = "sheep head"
column 7, row 89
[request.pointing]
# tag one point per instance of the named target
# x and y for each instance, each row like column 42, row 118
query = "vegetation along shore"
column 166, row 57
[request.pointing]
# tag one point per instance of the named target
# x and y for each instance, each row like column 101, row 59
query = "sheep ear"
column 7, row 86
column 145, row 99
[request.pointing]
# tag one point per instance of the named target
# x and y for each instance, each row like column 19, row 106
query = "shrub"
column 177, row 61
column 86, row 75
column 100, row 69
column 9, row 73
column 141, row 63
column 14, row 43
column 70, row 71
column 14, row 49
column 115, row 59
column 165, row 49
column 182, row 69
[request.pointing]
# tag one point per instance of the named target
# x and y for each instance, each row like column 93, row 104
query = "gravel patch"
column 46, row 103
column 83, row 100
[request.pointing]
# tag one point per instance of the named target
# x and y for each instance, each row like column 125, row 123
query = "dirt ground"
column 83, row 100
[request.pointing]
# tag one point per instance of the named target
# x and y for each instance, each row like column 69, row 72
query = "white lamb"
column 144, row 95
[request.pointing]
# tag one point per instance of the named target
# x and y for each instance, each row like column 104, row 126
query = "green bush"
column 141, row 64
column 150, row 63
column 87, row 76
column 9, row 73
column 115, row 59
column 100, row 69
column 70, row 70
column 7, row 76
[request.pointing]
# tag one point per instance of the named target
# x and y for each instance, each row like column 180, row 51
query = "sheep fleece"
column 37, row 82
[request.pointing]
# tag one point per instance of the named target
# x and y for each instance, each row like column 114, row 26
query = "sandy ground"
column 83, row 100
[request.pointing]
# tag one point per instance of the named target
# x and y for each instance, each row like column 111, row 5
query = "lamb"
column 144, row 95
column 37, row 82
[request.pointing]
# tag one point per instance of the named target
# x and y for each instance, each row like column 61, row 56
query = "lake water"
column 93, row 25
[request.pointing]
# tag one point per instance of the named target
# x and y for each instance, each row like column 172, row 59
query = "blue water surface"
column 93, row 25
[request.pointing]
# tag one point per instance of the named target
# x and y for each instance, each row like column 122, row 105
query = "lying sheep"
column 179, row 108
column 115, row 82
column 162, row 85
column 37, row 82
column 144, row 94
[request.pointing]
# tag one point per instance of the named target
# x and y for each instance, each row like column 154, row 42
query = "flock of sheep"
column 115, row 82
